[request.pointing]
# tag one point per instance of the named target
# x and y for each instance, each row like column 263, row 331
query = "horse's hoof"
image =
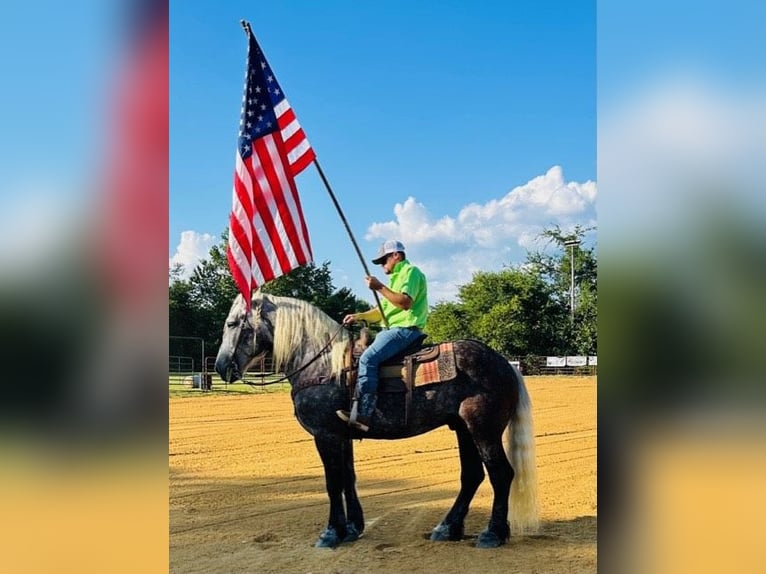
column 352, row 533
column 489, row 539
column 328, row 539
column 444, row 533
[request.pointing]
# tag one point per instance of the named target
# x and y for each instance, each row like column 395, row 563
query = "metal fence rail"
column 184, row 372
column 537, row 365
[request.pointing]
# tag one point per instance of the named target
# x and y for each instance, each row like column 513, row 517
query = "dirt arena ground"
column 247, row 492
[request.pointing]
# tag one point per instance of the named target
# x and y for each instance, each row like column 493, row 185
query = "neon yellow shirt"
column 406, row 278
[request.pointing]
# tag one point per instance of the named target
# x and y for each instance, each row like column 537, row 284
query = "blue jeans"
column 386, row 344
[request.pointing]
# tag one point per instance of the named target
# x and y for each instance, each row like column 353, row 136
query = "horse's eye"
column 232, row 324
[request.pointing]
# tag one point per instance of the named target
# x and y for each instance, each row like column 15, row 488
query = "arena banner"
column 555, row 361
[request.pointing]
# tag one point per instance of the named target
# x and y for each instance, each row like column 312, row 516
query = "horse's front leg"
column 331, row 452
column 355, row 525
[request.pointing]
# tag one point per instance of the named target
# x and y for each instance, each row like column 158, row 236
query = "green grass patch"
column 178, row 389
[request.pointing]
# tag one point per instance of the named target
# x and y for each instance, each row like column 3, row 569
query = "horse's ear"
column 267, row 304
column 260, row 303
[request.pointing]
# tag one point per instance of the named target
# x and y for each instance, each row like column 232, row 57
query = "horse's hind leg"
column 500, row 475
column 471, row 476
column 331, row 453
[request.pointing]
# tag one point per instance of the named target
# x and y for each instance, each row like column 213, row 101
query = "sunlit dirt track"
column 247, row 492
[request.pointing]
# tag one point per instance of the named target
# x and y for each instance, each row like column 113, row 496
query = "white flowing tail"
column 520, row 450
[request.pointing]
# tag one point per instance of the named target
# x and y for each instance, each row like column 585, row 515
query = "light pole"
column 571, row 243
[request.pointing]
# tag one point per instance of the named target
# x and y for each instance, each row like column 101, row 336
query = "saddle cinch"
column 416, row 365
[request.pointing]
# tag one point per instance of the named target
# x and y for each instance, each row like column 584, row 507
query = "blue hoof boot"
column 328, row 539
column 352, row 533
column 444, row 533
column 489, row 539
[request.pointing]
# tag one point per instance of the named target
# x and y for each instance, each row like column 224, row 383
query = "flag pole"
column 350, row 234
column 246, row 27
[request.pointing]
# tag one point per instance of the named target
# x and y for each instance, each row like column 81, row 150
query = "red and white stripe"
column 299, row 152
column 267, row 231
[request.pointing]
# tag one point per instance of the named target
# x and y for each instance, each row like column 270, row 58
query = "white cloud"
column 486, row 236
column 38, row 221
column 673, row 148
column 193, row 248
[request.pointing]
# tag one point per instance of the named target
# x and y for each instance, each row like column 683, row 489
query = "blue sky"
column 682, row 118
column 424, row 118
column 455, row 106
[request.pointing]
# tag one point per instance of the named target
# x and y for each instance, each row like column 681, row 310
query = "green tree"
column 184, row 320
column 579, row 332
column 181, row 317
column 342, row 302
column 199, row 305
column 314, row 284
column 524, row 310
column 307, row 282
column 512, row 311
column 447, row 321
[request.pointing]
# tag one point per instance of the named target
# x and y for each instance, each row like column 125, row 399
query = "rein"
column 321, row 352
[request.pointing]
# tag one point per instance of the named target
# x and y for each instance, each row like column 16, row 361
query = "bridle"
column 245, row 327
column 248, row 326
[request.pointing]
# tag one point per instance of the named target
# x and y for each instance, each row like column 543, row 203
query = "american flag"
column 267, row 231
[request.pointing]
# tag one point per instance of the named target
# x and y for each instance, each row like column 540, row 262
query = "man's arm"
column 400, row 300
column 371, row 316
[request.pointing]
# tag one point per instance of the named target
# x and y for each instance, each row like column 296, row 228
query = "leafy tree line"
column 525, row 310
column 518, row 311
column 199, row 305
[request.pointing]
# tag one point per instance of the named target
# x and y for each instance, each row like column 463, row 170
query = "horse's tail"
column 520, row 449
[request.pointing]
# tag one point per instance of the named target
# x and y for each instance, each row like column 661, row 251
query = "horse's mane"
column 303, row 326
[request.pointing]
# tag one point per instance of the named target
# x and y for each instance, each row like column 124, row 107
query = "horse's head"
column 246, row 336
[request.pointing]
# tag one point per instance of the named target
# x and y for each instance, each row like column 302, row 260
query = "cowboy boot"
column 361, row 411
column 345, row 415
column 366, row 408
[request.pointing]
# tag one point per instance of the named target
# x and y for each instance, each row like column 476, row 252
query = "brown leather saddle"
column 416, row 365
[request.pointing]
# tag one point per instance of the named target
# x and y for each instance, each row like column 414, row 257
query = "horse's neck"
column 302, row 354
column 306, row 345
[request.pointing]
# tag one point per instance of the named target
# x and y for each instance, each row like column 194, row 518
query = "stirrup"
column 361, row 424
column 345, row 416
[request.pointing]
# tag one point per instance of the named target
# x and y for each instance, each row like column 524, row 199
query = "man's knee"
column 368, row 360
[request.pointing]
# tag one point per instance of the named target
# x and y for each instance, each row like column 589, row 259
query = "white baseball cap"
column 390, row 246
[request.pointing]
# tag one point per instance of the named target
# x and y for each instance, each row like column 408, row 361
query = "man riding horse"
column 405, row 307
